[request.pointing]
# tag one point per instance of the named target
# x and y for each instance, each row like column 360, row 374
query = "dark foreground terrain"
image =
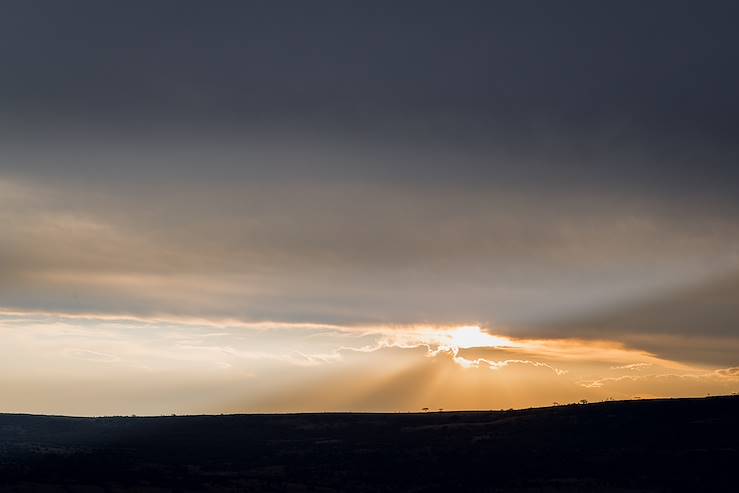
column 663, row 445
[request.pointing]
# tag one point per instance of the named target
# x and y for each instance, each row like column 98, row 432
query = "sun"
column 473, row 336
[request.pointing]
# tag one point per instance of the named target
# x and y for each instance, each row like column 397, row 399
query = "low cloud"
column 356, row 253
column 496, row 365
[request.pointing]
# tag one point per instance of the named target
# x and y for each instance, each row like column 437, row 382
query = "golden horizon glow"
column 148, row 365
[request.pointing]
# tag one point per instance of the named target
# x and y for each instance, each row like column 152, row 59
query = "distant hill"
column 635, row 446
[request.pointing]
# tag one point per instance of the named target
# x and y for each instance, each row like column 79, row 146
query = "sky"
column 334, row 206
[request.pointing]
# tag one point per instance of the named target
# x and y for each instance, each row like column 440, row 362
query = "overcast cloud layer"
column 554, row 171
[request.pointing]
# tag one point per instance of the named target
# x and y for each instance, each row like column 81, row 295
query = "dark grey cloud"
column 575, row 61
column 615, row 95
column 698, row 322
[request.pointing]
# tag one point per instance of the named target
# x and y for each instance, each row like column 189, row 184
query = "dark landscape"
column 647, row 445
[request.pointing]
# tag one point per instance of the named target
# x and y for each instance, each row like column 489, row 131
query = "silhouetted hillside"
column 659, row 445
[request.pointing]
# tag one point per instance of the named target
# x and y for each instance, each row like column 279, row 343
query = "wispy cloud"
column 632, row 366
